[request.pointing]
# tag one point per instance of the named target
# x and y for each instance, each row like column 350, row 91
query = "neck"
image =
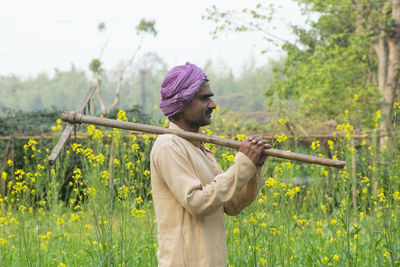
column 184, row 126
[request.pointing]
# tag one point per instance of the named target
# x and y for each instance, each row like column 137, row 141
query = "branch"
column 99, row 97
column 121, row 77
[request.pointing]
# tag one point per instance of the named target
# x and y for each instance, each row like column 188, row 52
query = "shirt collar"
column 194, row 142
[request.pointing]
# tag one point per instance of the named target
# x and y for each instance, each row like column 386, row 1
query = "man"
column 190, row 192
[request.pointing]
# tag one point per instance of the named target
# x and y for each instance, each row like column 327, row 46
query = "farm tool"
column 79, row 117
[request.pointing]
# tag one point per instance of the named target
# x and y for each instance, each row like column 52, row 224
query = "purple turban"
column 179, row 87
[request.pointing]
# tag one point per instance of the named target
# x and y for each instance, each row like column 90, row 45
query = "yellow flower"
column 4, row 175
column 331, row 144
column 74, row 217
column 263, row 262
column 335, row 257
column 121, row 116
column 10, row 162
column 138, row 213
column 60, row 221
column 355, row 98
column 315, row 145
column 324, row 260
column 281, row 138
column 240, row 137
column 386, row 254
column 323, row 208
column 139, row 200
column 155, row 107
column 236, row 231
column 166, row 123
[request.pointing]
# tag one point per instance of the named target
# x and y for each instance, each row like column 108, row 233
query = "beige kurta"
column 191, row 194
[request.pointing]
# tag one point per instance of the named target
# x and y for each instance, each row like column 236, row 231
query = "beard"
column 202, row 119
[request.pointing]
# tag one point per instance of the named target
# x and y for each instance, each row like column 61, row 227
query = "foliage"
column 95, row 66
column 331, row 74
column 330, row 63
column 67, row 88
column 147, row 26
column 61, row 91
column 333, row 217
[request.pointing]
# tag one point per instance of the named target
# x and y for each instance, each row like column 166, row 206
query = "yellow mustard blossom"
column 240, row 137
column 263, row 262
column 74, row 217
column 95, row 133
column 315, row 145
column 166, row 123
column 60, row 221
column 335, row 257
column 10, row 163
column 292, row 192
column 123, row 192
column 386, row 254
column 146, row 138
column 281, row 138
column 121, row 116
column 138, row 213
column 377, row 117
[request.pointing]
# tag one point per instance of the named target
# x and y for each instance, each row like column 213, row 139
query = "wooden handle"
column 74, row 117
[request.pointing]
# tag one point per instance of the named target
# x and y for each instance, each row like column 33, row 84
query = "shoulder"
column 167, row 141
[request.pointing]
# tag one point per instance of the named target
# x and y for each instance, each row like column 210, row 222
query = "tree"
column 143, row 28
column 349, row 54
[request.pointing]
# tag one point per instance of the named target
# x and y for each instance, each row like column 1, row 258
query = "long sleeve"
column 246, row 196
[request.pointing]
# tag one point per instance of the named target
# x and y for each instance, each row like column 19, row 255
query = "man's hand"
column 253, row 147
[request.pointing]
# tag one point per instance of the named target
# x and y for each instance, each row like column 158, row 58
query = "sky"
column 41, row 35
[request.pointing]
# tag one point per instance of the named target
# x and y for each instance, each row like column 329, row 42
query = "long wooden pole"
column 74, row 117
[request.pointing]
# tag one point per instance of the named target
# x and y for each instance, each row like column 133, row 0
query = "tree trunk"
column 143, row 87
column 387, row 50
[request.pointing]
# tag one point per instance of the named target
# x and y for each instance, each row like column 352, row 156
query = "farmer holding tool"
column 190, row 191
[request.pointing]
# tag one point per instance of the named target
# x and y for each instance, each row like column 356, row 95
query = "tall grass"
column 97, row 210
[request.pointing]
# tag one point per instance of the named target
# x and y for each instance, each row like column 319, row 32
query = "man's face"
column 198, row 112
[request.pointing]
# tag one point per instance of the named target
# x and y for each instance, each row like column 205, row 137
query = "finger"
column 256, row 139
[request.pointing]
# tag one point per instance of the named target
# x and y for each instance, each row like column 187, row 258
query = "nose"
column 211, row 104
